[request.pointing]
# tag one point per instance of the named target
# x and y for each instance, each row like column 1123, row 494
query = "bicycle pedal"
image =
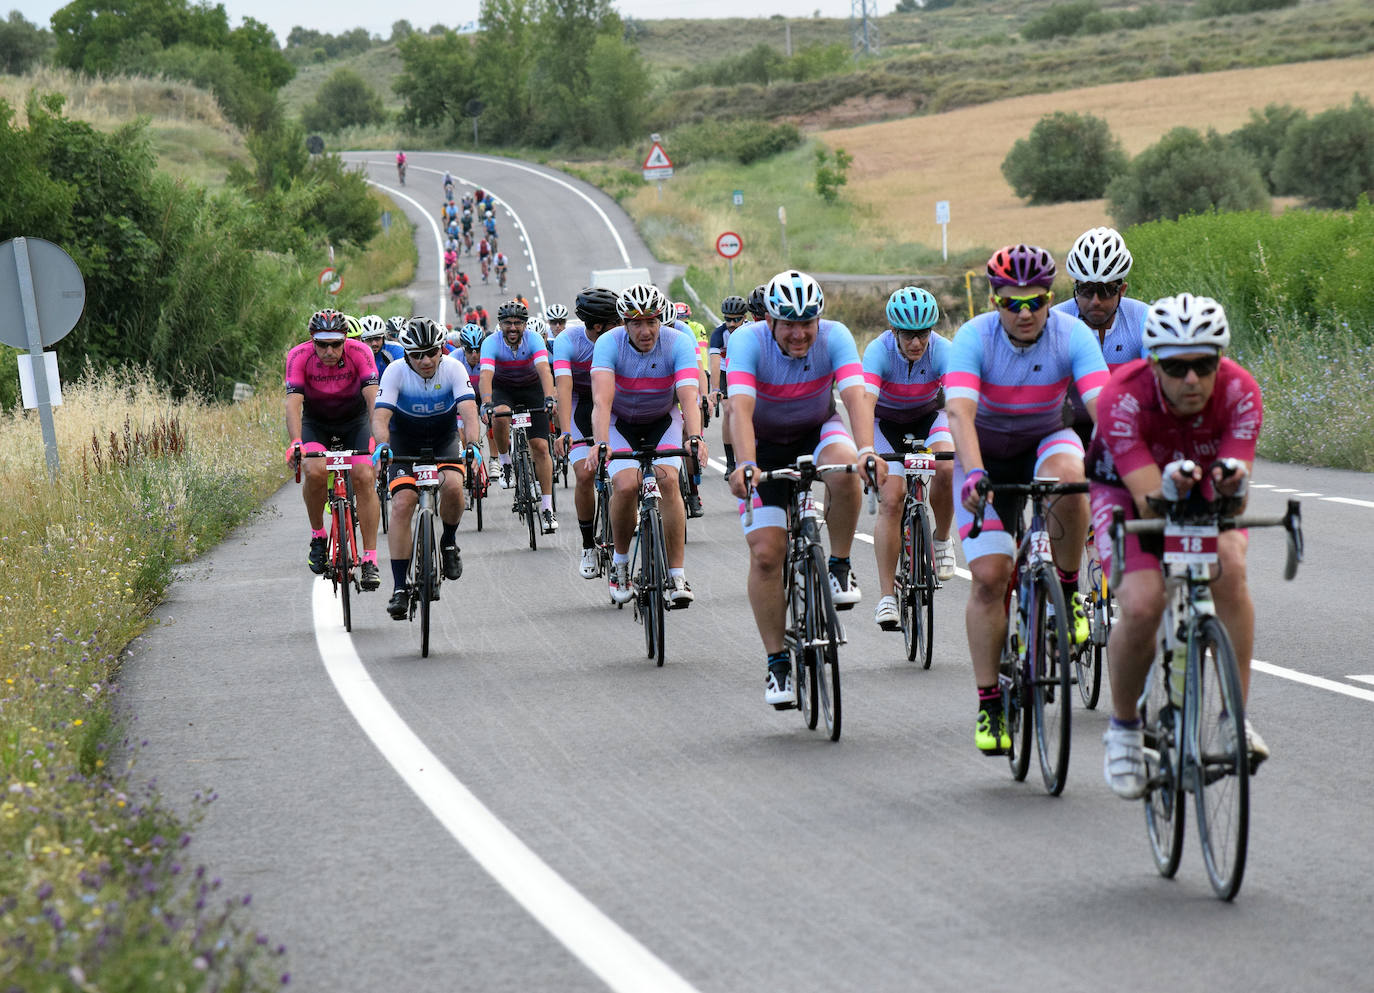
column 785, row 706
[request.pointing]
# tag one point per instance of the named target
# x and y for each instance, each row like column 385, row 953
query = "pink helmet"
column 1021, row 265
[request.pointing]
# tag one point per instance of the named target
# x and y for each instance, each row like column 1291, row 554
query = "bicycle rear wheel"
column 922, row 590
column 1088, row 658
column 527, row 490
column 1164, row 808
column 802, row 628
column 423, row 579
column 343, row 559
column 655, row 572
column 1051, row 666
column 1016, row 695
column 1222, row 773
column 826, row 654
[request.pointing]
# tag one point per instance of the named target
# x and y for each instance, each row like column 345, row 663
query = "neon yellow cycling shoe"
column 1078, row 620
column 990, row 733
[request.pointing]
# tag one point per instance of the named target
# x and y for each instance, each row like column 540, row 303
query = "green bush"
column 21, row 44
column 1067, row 157
column 1061, row 20
column 345, row 100
column 1219, row 8
column 1263, row 137
column 832, row 172
column 1186, row 173
column 1330, row 158
column 742, row 141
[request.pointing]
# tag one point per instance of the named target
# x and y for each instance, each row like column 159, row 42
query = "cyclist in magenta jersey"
column 732, row 313
column 783, row 371
column 1009, row 372
column 644, row 393
column 1183, row 402
column 331, row 383
column 1099, row 263
column 515, row 373
column 422, row 400
column 902, row 371
column 572, row 371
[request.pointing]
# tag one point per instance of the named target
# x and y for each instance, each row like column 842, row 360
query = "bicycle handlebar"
column 795, row 474
column 1036, row 487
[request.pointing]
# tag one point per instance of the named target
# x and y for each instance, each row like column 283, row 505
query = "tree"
column 1263, row 136
column 345, row 100
column 1330, row 159
column 906, row 7
column 1186, row 173
column 832, row 172
column 1066, row 157
column 617, row 91
column 438, row 79
column 401, row 29
column 21, row 44
column 503, row 66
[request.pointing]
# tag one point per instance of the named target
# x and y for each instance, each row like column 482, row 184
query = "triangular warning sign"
column 658, row 158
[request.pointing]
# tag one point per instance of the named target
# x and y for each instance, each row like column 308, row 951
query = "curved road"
column 536, row 807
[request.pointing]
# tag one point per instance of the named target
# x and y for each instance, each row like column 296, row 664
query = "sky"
column 333, row 17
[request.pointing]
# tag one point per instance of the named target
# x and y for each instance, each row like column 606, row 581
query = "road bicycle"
column 342, row 560
column 1037, row 663
column 501, row 276
column 423, row 574
column 475, row 482
column 1089, row 658
column 604, row 541
column 401, row 172
column 915, row 583
column 526, row 502
column 649, row 553
column 813, row 633
column 1192, row 704
column 486, row 267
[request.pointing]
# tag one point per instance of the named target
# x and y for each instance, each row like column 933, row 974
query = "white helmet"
column 1185, row 323
column 538, row 326
column 1098, row 256
column 373, row 327
column 793, row 296
column 555, row 312
column 641, row 300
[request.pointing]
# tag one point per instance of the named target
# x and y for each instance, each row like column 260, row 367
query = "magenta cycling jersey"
column 646, row 383
column 332, row 392
column 906, row 390
column 1020, row 390
column 514, row 367
column 572, row 356
column 792, row 396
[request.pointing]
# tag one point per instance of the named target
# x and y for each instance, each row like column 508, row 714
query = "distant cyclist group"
column 1131, row 409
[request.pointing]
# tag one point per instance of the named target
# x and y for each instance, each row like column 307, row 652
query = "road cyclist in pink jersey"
column 1099, row 263
column 644, row 379
column 783, row 373
column 573, row 348
column 331, row 385
column 903, row 368
column 1180, row 423
column 1009, row 372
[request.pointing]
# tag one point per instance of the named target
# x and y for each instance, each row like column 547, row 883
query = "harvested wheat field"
column 901, row 168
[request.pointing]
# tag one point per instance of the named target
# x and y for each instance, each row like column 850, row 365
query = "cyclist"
column 902, row 371
column 732, row 312
column 502, row 264
column 415, row 411
column 556, row 317
column 572, row 370
column 374, row 336
column 470, row 337
column 401, row 167
column 466, row 224
column 448, row 186
column 489, row 227
column 483, row 318
column 1009, row 371
column 644, row 393
column 484, row 257
column 1099, row 263
column 515, row 373
column 755, row 304
column 395, row 325
column 540, row 327
column 450, row 263
column 782, row 375
column 331, row 383
column 1183, row 402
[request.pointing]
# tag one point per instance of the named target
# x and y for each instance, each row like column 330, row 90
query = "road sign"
column 331, row 280
column 729, row 245
column 59, row 293
column 738, row 198
column 941, row 211
column 657, row 166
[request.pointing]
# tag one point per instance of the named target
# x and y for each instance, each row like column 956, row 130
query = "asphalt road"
column 537, row 807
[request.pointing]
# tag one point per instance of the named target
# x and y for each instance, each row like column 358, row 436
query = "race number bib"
column 922, row 465
column 338, row 461
column 427, row 475
column 1190, row 544
column 520, row 419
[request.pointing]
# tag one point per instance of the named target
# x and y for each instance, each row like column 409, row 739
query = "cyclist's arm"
column 381, row 425
column 1089, row 367
column 742, row 433
column 295, row 412
column 370, row 395
column 962, row 413
column 603, row 395
column 467, row 410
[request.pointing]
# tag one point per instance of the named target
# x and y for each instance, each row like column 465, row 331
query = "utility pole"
column 863, row 27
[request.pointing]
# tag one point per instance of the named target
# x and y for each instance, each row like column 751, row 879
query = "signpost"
column 331, row 280
column 738, row 198
column 782, row 220
column 42, row 296
column 729, row 245
column 942, row 219
column 657, row 166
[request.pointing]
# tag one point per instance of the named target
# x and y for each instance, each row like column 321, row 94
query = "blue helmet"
column 471, row 335
column 912, row 309
column 793, row 296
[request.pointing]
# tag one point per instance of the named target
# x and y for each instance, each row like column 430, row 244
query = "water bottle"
column 1177, row 677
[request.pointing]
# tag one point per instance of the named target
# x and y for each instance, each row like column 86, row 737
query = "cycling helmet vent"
column 1185, row 323
column 1021, row 265
column 912, row 309
column 793, row 296
column 1098, row 256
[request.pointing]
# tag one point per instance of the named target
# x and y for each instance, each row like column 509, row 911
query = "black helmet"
column 421, row 334
column 596, row 305
column 513, row 308
column 733, row 306
column 326, row 321
column 755, row 304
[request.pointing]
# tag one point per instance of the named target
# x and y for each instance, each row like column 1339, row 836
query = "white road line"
column 438, row 240
column 1317, row 681
column 1286, row 490
column 1349, row 500
column 1362, row 679
column 598, row 942
column 1309, row 494
column 1261, row 486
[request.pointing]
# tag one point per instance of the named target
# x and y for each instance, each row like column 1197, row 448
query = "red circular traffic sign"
column 729, row 245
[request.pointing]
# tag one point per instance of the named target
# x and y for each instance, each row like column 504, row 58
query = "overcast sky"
column 334, row 17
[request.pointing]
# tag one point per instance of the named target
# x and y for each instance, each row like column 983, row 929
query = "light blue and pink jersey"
column 514, row 367
column 572, row 357
column 1121, row 343
column 792, row 396
column 906, row 390
column 646, row 383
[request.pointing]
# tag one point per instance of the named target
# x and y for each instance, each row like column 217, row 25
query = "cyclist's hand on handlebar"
column 1230, row 477
column 738, row 486
column 700, row 450
column 1178, row 478
column 381, row 454
column 873, row 470
column 485, row 413
column 562, row 445
column 971, row 494
column 595, row 455
column 476, row 453
column 293, row 454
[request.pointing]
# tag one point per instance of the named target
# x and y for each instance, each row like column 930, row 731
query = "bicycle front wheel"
column 1164, row 807
column 922, row 590
column 826, row 653
column 343, row 561
column 1051, row 667
column 802, row 629
column 655, row 583
column 528, row 491
column 422, row 576
column 1087, row 658
column 601, row 531
column 1221, row 776
column 1016, row 696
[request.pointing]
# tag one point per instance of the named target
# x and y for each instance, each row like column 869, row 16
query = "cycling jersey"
column 424, row 410
column 467, row 223
column 716, row 344
column 1121, row 343
column 332, row 392
column 390, row 353
column 483, row 248
column 500, row 260
column 646, row 383
column 473, row 369
column 514, row 367
column 906, row 391
column 1020, row 390
column 572, row 357
column 792, row 396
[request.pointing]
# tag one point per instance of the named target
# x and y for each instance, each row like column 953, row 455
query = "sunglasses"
column 1103, row 291
column 923, row 335
column 1018, row 304
column 1179, row 368
column 328, row 344
column 428, row 353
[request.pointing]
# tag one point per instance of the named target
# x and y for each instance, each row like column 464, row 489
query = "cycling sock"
column 588, row 535
column 1134, row 725
column 546, row 501
column 619, row 558
column 989, row 698
column 447, row 537
column 675, row 573
column 505, row 458
column 370, row 556
column 398, row 572
column 782, row 660
column 1068, row 582
column 319, row 533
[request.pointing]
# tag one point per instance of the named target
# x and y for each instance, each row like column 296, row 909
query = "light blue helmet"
column 912, row 309
column 471, row 335
column 793, row 296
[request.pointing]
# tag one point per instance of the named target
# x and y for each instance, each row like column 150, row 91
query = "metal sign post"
column 729, row 245
column 782, row 220
column 942, row 219
column 657, row 166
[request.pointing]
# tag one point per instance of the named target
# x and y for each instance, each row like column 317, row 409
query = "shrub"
column 345, row 100
column 1067, row 157
column 1330, row 158
column 1220, row 8
column 1186, row 173
column 832, row 172
column 744, row 141
column 1263, row 137
column 1061, row 20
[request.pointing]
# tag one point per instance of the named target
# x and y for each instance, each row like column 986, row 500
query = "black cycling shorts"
column 353, row 433
column 529, row 397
